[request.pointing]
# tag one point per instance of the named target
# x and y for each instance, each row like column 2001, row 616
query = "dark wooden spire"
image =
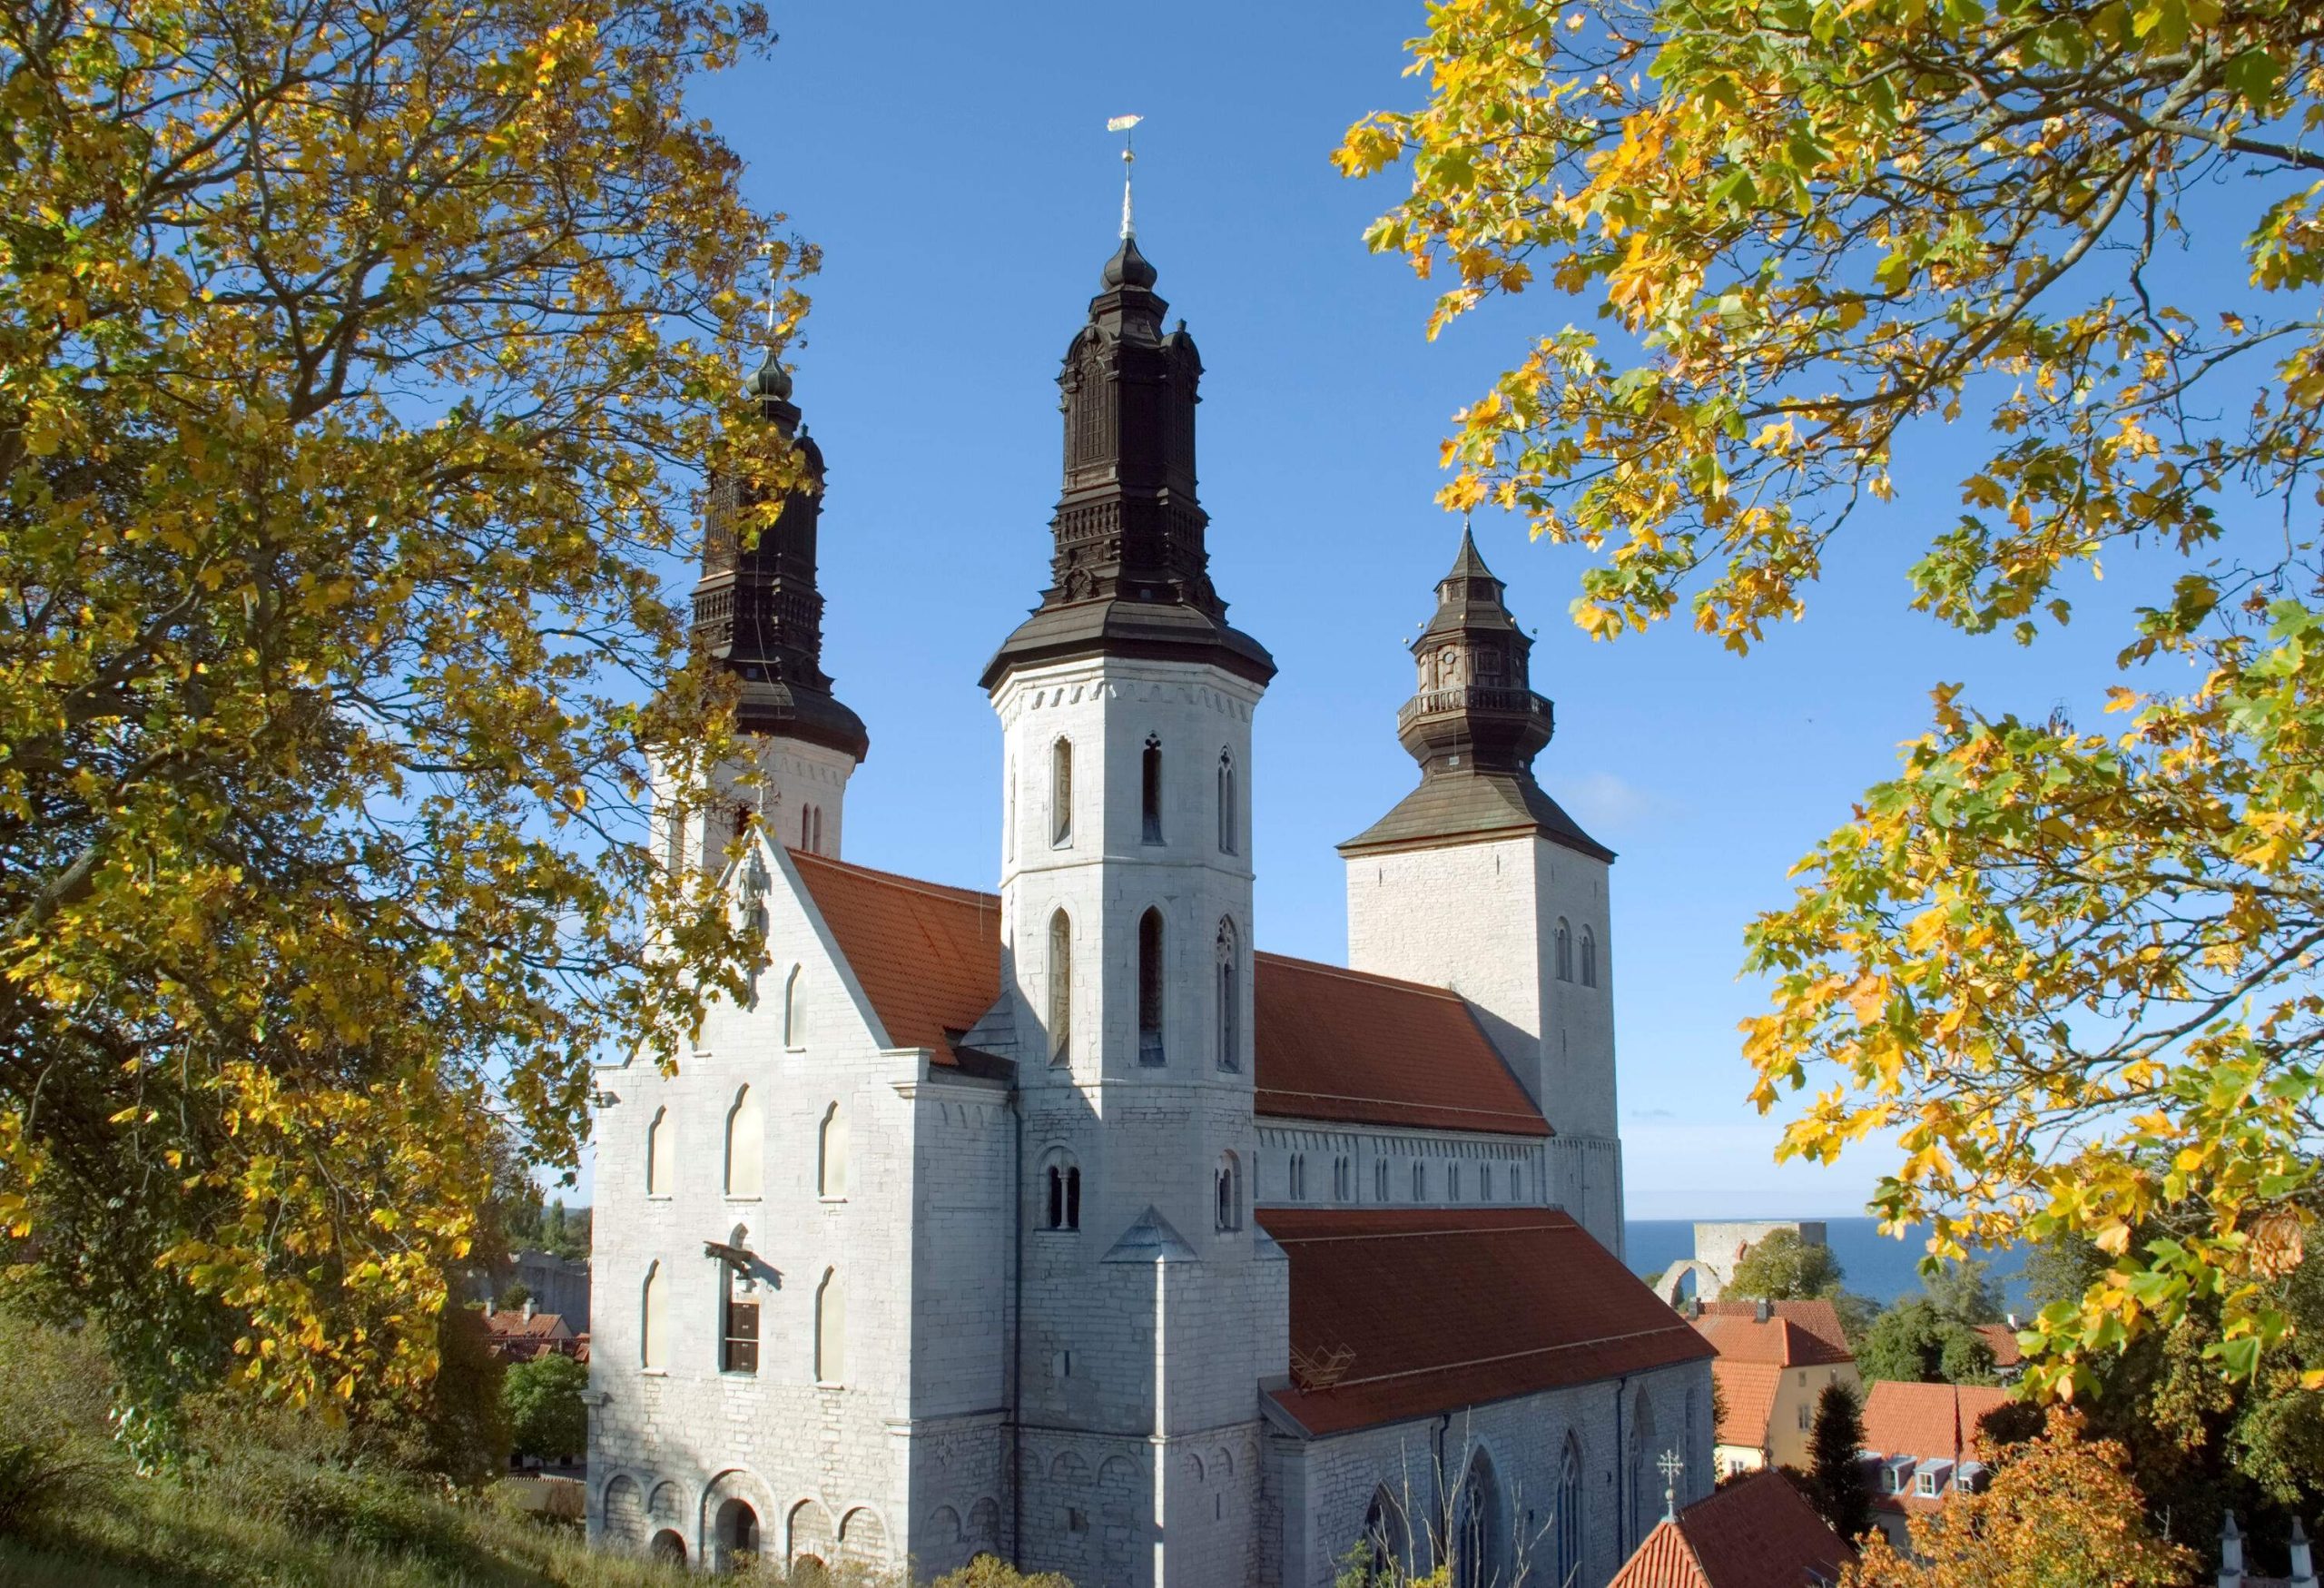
column 1474, row 725
column 1129, row 573
column 756, row 609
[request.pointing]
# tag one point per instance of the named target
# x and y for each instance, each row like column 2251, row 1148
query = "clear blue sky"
column 951, row 162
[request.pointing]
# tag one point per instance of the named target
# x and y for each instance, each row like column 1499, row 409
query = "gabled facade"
column 1059, row 1223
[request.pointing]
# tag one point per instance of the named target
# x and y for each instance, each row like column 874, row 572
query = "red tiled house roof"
column 2003, row 1339
column 1921, row 1424
column 1819, row 1318
column 1331, row 1043
column 1758, row 1532
column 1778, row 1341
column 1746, row 1393
column 1439, row 1308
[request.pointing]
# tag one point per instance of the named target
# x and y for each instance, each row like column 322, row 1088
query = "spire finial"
column 1671, row 1466
column 1123, row 125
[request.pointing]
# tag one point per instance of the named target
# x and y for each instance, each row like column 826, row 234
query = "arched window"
column 1565, row 951
column 1149, row 988
column 1227, row 807
column 1061, row 987
column 806, row 827
column 1061, row 793
column 1567, row 1530
column 1063, row 1182
column 661, row 1155
column 745, row 1146
column 1420, row 1181
column 831, row 1329
column 794, row 1007
column 1384, row 1537
column 1230, row 998
column 1484, row 1183
column 1380, row 1180
column 830, row 1158
column 654, row 1320
column 1228, row 1185
column 738, row 1348
column 1478, row 1530
column 1589, row 958
column 1150, row 791
column 1295, row 1172
column 1452, row 1182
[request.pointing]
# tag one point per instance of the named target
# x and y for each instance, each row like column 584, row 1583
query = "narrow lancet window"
column 1150, row 791
column 1589, row 958
column 794, row 1007
column 1061, row 793
column 1230, row 998
column 832, row 1158
column 745, row 1146
column 1061, row 987
column 1227, row 824
column 1564, row 951
column 1149, row 988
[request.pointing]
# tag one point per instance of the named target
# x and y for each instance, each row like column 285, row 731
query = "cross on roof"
column 1671, row 1466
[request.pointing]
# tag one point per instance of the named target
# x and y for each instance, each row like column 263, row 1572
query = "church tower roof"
column 757, row 611
column 1474, row 725
column 1129, row 574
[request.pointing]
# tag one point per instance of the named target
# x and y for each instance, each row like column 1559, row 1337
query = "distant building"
column 558, row 1285
column 519, row 1333
column 1719, row 1248
column 1758, row 1532
column 1921, row 1440
column 2008, row 1356
column 1775, row 1360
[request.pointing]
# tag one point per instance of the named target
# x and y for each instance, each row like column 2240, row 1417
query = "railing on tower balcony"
column 1475, row 697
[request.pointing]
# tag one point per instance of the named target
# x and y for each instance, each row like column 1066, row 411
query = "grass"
column 265, row 1501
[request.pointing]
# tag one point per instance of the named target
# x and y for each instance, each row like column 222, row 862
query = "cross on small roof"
column 1671, row 1466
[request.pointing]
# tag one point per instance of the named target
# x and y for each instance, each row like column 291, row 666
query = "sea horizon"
column 1879, row 1268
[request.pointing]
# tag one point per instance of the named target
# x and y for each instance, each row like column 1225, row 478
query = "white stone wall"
column 1328, row 1485
column 822, row 1461
column 798, row 790
column 1479, row 918
column 1137, row 1378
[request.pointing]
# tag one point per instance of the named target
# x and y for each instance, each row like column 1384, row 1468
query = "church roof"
column 1336, row 1044
column 1756, row 1533
column 1331, row 1044
column 1473, row 808
column 1428, row 1310
column 926, row 955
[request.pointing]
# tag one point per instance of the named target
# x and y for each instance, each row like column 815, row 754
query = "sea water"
column 1881, row 1267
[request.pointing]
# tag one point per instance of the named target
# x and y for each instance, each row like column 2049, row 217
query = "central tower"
column 1124, row 702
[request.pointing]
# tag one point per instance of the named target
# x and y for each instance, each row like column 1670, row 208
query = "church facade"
column 1060, row 1223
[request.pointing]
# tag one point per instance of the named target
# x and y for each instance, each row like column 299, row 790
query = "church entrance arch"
column 667, row 1548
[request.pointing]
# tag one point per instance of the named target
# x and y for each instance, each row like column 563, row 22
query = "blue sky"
column 951, row 163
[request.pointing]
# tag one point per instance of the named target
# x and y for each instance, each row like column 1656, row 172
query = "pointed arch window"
column 794, row 1007
column 661, row 1155
column 654, row 1321
column 1568, row 1527
column 1380, row 1180
column 746, row 1145
column 1484, row 1183
column 1478, row 1529
column 1589, row 958
column 1230, row 997
column 1564, row 951
column 1420, row 1181
column 1452, row 1182
column 831, row 1329
column 1061, row 793
column 1149, row 785
column 806, row 827
column 1227, row 822
column 1061, row 987
column 1149, row 988
column 830, row 1157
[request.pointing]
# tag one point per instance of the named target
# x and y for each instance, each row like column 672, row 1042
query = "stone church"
column 1063, row 1224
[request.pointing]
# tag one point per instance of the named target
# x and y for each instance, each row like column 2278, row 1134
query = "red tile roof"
column 1439, row 1308
column 1336, row 1044
column 1746, row 1392
column 2008, row 1351
column 1778, row 1340
column 926, row 955
column 1924, row 1422
column 1332, row 1043
column 1756, row 1533
column 1819, row 1318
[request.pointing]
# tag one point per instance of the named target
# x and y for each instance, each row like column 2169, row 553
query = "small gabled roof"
column 1821, row 1318
column 1424, row 1310
column 927, row 956
column 1336, row 1044
column 1779, row 1340
column 1746, row 1392
column 1757, row 1532
column 1925, row 1423
column 2003, row 1340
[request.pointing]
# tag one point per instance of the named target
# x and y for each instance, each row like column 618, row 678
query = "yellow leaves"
column 1869, row 997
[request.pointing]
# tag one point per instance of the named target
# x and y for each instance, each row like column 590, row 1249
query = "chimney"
column 1694, row 1307
column 2230, row 1554
column 1765, row 1309
column 529, row 1309
column 2013, row 1325
column 2303, row 1563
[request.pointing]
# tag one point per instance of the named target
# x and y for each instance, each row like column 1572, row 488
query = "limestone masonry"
column 1061, row 1224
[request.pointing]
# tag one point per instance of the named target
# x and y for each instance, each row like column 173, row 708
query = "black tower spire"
column 757, row 611
column 1474, row 725
column 1128, row 574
